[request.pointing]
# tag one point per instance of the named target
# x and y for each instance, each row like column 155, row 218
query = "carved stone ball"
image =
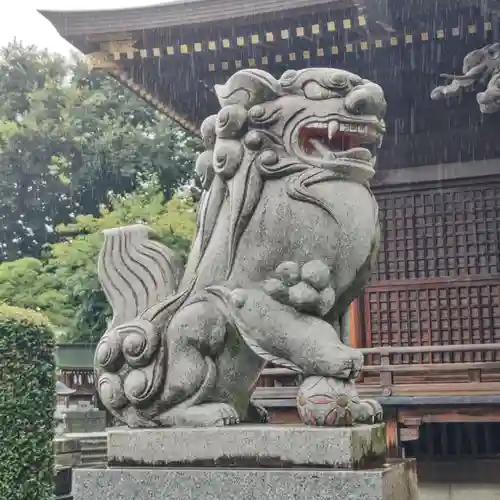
column 231, row 121
column 253, row 140
column 289, row 273
column 304, row 297
column 325, row 401
column 208, row 131
column 269, row 157
column 316, row 273
column 276, row 289
column 257, row 111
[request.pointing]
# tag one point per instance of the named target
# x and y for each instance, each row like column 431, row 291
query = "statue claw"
column 357, row 365
column 367, row 411
column 257, row 414
column 203, row 415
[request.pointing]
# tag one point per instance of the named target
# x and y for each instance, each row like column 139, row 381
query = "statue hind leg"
column 134, row 384
column 196, row 332
column 211, row 372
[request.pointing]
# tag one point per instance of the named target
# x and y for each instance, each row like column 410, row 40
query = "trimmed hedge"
column 27, row 404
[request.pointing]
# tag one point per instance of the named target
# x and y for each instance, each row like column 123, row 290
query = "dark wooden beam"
column 443, row 172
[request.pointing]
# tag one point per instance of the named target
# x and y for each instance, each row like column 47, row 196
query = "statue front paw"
column 203, row 415
column 438, row 93
column 305, row 288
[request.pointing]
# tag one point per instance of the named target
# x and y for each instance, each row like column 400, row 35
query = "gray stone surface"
column 286, row 237
column 394, row 482
column 254, row 445
column 62, row 482
column 94, row 448
column 66, row 445
column 85, row 421
column 67, row 452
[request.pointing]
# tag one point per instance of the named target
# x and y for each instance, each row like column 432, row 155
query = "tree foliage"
column 69, row 138
column 27, row 381
column 63, row 283
column 75, row 261
column 27, row 283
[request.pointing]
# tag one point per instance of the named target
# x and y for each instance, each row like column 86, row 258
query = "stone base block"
column 62, row 482
column 394, row 481
column 67, row 452
column 249, row 446
column 85, row 421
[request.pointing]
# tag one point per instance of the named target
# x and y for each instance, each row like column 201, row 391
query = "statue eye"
column 356, row 80
column 337, row 80
column 288, row 77
column 316, row 92
column 289, row 74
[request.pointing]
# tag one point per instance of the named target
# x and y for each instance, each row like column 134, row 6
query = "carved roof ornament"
column 106, row 60
column 103, row 61
column 481, row 68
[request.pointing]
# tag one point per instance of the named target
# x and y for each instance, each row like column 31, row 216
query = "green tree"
column 27, row 404
column 74, row 262
column 27, row 283
column 69, row 138
column 63, row 283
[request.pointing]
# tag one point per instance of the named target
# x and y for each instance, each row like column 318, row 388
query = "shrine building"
column 429, row 320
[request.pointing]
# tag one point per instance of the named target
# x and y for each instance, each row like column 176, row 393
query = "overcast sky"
column 20, row 19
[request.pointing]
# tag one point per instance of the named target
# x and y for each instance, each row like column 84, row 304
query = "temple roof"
column 174, row 13
column 173, row 54
column 75, row 356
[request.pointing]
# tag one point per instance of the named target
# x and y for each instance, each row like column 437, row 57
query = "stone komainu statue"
column 286, row 237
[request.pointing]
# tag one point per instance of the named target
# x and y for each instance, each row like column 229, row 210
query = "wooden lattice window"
column 440, row 231
column 434, row 312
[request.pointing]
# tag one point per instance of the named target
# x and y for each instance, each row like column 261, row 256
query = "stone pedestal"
column 67, row 452
column 261, row 462
column 78, row 421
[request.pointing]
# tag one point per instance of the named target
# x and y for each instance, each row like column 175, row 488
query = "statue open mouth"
column 347, row 145
column 335, row 139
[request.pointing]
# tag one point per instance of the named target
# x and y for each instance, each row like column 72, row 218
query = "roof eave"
column 77, row 23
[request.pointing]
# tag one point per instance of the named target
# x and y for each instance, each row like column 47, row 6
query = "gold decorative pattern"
column 102, row 61
column 324, row 33
column 439, row 34
column 318, row 31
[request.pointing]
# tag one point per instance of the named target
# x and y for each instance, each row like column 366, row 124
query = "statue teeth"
column 317, row 125
column 333, row 127
column 353, row 127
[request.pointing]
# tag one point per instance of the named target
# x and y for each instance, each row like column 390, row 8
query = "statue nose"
column 366, row 99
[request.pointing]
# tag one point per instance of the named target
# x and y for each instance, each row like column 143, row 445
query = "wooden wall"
column 437, row 281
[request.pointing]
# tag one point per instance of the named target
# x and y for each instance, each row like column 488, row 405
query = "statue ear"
column 247, row 88
column 494, row 49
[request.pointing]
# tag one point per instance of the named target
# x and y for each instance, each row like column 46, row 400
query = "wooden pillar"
column 392, row 436
column 355, row 330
